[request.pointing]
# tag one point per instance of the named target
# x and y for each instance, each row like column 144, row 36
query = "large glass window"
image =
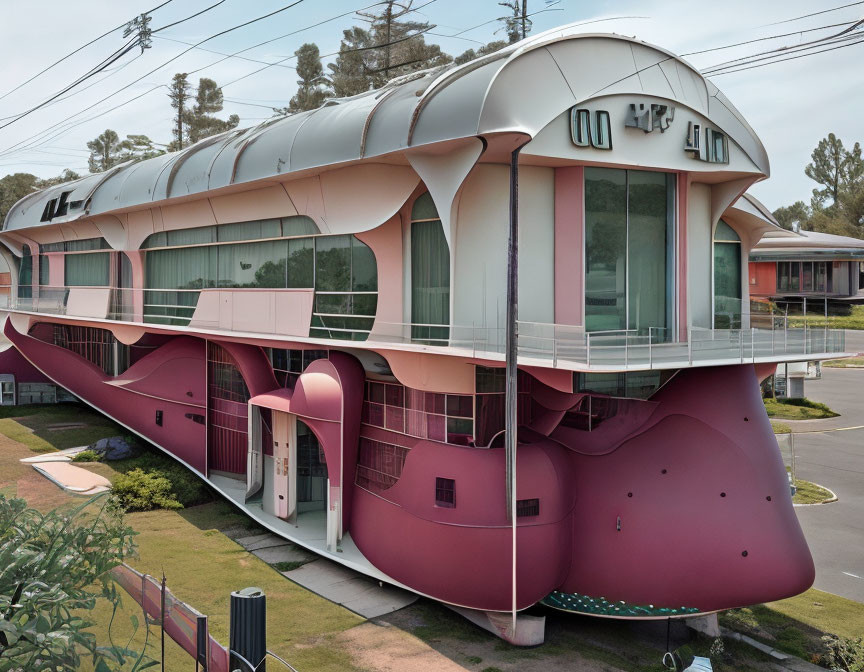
column 430, row 274
column 629, row 250
column 341, row 269
column 88, row 270
column 727, row 277
column 25, row 274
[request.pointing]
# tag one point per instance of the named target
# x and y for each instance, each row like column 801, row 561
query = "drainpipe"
column 510, row 354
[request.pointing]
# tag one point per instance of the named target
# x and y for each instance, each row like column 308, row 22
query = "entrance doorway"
column 311, row 472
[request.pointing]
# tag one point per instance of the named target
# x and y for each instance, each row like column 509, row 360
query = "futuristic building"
column 312, row 315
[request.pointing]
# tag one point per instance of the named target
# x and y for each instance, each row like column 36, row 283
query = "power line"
column 170, row 60
column 72, row 53
column 189, row 18
column 773, row 53
column 117, row 55
column 770, row 37
column 220, row 53
column 824, row 11
column 790, row 58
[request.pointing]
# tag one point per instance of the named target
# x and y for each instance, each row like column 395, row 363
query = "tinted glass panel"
column 333, row 264
column 89, row 270
column 727, row 285
column 605, row 249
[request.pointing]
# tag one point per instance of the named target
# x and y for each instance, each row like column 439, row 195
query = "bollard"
column 248, row 630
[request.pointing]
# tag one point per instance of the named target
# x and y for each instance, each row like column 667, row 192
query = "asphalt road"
column 835, row 459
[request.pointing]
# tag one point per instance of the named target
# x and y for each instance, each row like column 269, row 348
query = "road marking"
column 822, row 431
column 854, row 576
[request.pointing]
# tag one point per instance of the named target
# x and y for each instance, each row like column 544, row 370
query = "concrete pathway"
column 272, row 549
column 361, row 594
column 835, row 459
column 73, row 479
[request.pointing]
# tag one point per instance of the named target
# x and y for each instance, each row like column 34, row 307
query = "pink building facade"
column 310, row 314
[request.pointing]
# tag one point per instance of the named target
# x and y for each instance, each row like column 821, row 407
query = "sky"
column 791, row 105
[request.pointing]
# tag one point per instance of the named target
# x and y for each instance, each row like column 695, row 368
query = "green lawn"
column 202, row 565
column 849, row 362
column 797, row 409
column 810, row 493
column 781, row 428
column 855, row 320
column 797, row 624
column 32, row 426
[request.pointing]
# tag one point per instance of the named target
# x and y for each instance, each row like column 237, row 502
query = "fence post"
column 248, row 630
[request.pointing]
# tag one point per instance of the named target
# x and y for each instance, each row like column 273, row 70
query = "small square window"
column 527, row 507
column 445, row 492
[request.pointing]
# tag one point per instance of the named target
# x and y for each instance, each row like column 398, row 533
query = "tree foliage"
column 485, row 50
column 16, row 186
column 108, row 150
column 517, row 25
column 202, row 122
column 312, row 87
column 392, row 46
column 54, row 569
column 837, row 207
column 178, row 94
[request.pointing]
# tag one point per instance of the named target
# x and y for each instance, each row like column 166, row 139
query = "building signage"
column 649, row 117
column 589, row 129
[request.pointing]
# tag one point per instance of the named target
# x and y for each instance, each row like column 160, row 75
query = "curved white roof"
column 520, row 88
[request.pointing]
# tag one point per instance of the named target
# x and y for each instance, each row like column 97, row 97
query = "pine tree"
column 313, row 87
column 485, row 50
column 208, row 101
column 517, row 25
column 349, row 74
column 105, row 151
column 179, row 94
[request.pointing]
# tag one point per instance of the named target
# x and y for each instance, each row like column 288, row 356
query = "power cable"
column 188, row 18
column 84, row 46
column 172, row 59
column 763, row 39
column 807, row 16
column 790, row 58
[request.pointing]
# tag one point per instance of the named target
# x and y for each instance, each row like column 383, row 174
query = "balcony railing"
column 561, row 346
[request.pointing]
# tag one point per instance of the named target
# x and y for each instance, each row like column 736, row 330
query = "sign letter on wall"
column 650, row 117
column 585, row 132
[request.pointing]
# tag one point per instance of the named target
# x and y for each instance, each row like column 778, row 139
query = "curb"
column 832, row 499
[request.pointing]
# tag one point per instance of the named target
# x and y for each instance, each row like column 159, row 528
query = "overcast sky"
column 790, row 105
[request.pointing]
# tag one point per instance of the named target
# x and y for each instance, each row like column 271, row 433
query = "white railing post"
column 690, row 345
column 588, row 348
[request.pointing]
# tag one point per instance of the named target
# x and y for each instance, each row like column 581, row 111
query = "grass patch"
column 32, row 426
column 796, row 625
column 288, row 565
column 781, row 428
column 810, row 493
column 853, row 362
column 853, row 320
column 797, row 409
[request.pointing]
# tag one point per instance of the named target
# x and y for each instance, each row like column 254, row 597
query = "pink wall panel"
column 178, row 434
column 12, row 361
column 569, row 236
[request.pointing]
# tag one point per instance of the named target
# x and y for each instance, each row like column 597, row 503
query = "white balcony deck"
column 546, row 345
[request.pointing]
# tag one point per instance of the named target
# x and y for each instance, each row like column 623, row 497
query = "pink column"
column 136, row 259
column 569, row 244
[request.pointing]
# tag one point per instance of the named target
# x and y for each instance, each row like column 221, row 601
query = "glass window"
column 727, row 278
column 253, row 264
column 301, row 263
column 300, row 225
column 333, row 264
column 88, row 270
column 25, row 274
column 795, row 276
column 44, row 269
column 364, row 269
column 650, row 239
column 605, row 249
column 629, row 243
column 267, row 228
column 430, row 273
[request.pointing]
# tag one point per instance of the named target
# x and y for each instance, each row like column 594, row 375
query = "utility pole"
column 140, row 25
column 524, row 18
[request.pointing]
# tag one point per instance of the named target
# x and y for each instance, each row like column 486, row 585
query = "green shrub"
column 139, row 490
column 186, row 487
column 87, row 456
column 807, row 403
column 844, row 654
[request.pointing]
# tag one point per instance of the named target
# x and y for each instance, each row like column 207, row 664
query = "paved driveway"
column 835, row 459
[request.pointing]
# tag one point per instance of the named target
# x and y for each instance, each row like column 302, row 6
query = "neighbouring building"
column 310, row 314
